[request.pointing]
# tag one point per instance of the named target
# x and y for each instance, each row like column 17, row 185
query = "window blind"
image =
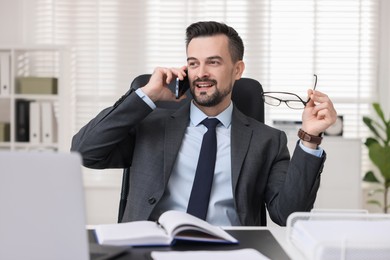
column 286, row 42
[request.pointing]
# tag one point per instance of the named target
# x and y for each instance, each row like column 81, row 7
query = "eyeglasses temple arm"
column 314, row 88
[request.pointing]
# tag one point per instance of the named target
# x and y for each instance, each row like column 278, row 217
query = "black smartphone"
column 181, row 86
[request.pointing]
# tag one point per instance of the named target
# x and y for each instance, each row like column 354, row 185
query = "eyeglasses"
column 290, row 99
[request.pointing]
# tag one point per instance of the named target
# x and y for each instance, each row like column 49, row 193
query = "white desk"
column 280, row 235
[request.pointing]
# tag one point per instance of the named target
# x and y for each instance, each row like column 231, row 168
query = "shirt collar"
column 197, row 116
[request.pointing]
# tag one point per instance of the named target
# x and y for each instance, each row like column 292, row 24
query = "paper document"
column 247, row 254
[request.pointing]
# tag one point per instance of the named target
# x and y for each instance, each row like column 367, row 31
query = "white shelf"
column 37, row 61
column 36, row 97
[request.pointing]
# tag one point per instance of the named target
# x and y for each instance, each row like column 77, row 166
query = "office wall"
column 11, row 29
column 15, row 17
column 384, row 54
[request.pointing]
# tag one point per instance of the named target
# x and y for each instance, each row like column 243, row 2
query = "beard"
column 203, row 99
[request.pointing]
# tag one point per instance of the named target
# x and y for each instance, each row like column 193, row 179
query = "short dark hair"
column 210, row 28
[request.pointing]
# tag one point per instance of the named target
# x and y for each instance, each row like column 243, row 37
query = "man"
column 253, row 166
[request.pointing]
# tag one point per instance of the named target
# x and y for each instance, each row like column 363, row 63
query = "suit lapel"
column 241, row 135
column 176, row 126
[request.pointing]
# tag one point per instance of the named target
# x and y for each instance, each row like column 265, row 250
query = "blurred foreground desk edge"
column 259, row 238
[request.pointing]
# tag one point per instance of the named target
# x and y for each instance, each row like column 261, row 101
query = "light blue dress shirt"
column 221, row 211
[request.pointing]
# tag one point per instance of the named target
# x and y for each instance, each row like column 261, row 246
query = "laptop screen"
column 42, row 206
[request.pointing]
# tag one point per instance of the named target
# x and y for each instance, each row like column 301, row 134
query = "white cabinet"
column 341, row 181
column 35, row 100
column 341, row 186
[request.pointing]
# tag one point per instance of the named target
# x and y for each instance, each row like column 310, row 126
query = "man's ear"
column 239, row 69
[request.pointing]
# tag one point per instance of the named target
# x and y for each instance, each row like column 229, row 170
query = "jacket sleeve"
column 298, row 189
column 107, row 140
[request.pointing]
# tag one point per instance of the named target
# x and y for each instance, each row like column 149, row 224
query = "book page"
column 132, row 233
column 182, row 225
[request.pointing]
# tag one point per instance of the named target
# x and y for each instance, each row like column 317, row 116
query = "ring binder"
column 5, row 74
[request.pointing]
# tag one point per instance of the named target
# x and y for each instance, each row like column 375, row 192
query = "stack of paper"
column 342, row 239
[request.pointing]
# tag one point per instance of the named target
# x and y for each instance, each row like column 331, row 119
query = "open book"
column 171, row 226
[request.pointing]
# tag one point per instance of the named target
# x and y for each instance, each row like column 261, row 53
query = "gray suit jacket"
column 130, row 134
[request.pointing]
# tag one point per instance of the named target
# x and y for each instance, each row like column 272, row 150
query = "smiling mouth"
column 204, row 85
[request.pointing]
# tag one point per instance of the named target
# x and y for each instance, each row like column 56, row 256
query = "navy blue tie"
column 200, row 193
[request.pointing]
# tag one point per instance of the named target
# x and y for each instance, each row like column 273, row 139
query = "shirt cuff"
column 145, row 98
column 316, row 152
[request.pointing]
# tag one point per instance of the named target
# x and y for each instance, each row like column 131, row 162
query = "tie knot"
column 210, row 123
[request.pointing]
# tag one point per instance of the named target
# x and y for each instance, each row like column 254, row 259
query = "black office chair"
column 246, row 97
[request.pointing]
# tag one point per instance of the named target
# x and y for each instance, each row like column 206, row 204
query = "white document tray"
column 340, row 235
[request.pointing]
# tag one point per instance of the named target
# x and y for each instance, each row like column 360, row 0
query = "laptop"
column 42, row 208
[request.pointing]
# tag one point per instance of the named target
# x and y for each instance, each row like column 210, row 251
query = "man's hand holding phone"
column 157, row 87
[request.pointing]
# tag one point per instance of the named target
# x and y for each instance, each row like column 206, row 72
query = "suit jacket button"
column 152, row 200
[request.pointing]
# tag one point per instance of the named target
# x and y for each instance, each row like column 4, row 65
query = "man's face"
column 211, row 70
